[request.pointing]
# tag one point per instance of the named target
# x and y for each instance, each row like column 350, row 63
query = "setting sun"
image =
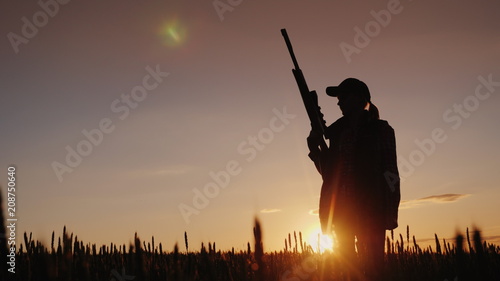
column 317, row 240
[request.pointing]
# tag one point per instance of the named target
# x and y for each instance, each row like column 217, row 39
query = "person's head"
column 353, row 96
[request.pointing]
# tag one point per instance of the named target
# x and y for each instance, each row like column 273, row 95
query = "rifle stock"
column 310, row 98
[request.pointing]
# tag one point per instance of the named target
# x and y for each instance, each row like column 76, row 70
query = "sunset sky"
column 160, row 117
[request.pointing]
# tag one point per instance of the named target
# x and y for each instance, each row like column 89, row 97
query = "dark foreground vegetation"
column 67, row 258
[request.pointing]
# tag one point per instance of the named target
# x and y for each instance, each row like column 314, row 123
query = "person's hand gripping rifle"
column 310, row 99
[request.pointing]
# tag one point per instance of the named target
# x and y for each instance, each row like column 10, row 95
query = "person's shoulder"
column 384, row 127
column 383, row 123
column 339, row 122
column 335, row 128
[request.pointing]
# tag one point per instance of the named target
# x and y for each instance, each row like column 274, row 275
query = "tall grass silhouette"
column 69, row 258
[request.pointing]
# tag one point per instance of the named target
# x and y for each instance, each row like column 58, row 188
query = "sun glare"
column 320, row 242
column 173, row 33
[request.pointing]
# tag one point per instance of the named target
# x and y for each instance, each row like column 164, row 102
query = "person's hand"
column 313, row 140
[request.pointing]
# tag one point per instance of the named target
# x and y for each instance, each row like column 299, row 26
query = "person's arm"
column 315, row 153
column 391, row 181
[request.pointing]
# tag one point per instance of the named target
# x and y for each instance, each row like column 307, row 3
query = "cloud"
column 445, row 197
column 441, row 198
column 493, row 239
column 267, row 211
column 406, row 204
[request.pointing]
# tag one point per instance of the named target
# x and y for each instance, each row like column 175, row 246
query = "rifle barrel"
column 290, row 49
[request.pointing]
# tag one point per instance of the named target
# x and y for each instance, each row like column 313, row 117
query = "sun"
column 320, row 242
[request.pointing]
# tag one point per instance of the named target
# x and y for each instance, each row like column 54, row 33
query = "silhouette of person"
column 360, row 193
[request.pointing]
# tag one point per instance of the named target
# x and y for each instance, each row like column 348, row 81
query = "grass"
column 68, row 258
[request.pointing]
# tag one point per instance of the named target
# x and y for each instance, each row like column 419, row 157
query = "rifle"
column 310, row 98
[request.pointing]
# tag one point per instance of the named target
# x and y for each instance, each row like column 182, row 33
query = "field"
column 67, row 258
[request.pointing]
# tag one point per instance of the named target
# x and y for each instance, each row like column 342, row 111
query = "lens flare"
column 173, row 33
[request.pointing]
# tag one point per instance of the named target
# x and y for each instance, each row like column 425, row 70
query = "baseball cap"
column 349, row 86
